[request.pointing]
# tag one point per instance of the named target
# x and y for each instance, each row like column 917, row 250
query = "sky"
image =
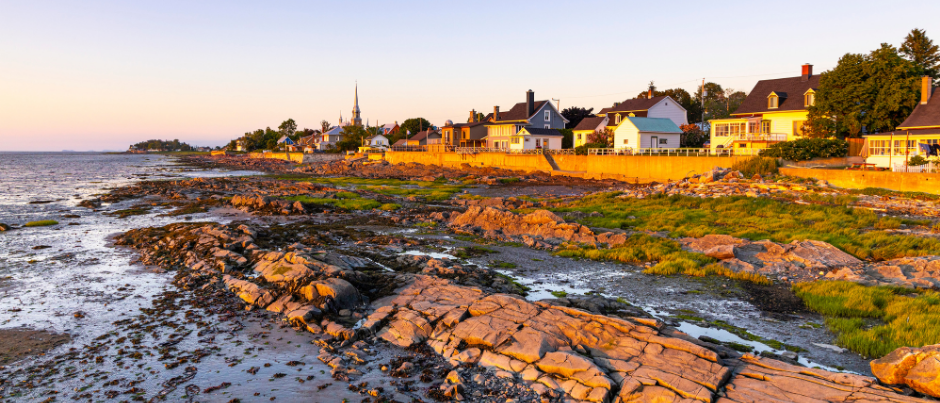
column 101, row 75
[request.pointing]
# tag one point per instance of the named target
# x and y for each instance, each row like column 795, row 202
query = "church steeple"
column 356, row 118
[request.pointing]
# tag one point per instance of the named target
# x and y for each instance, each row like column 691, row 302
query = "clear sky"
column 94, row 75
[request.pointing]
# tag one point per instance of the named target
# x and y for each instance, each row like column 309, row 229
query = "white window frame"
column 773, row 102
column 663, row 141
column 548, row 126
column 548, row 116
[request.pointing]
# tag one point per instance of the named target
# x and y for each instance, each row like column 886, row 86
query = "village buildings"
column 919, row 134
column 501, row 126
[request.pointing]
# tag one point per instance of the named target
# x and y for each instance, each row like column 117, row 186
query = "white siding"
column 626, row 131
column 670, row 109
column 672, row 140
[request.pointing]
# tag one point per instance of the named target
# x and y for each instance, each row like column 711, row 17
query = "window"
column 663, row 141
column 626, row 141
column 798, row 127
column 899, row 147
column 878, row 147
column 809, row 99
column 548, row 126
column 617, row 119
column 742, row 145
column 548, row 116
column 721, row 130
column 765, row 127
column 538, row 142
column 772, row 101
column 515, row 139
column 579, row 136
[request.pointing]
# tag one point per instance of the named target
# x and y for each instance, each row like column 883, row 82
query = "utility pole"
column 703, row 101
column 558, row 104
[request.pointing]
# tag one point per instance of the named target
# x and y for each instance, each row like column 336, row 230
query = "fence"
column 931, row 167
column 684, row 152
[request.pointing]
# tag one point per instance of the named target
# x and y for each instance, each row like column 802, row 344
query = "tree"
column 353, row 137
column 692, row 136
column 603, row 137
column 325, row 126
column 921, row 51
column 287, row 127
column 872, row 93
column 692, row 106
column 413, row 126
column 567, row 141
column 575, row 114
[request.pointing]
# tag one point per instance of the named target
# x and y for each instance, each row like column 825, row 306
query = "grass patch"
column 560, row 294
column 507, row 181
column 744, row 334
column 755, row 218
column 503, row 265
column 756, row 166
column 431, row 191
column 894, row 193
column 426, row 224
column 357, row 203
column 521, row 289
column 41, row 223
column 642, row 248
column 390, row 206
column 873, row 321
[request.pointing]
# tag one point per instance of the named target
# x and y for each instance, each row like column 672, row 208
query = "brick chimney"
column 473, row 116
column 926, row 87
column 496, row 112
column 649, row 94
column 529, row 103
column 807, row 72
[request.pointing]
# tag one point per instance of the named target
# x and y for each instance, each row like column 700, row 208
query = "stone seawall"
column 298, row 157
column 899, row 181
column 621, row 167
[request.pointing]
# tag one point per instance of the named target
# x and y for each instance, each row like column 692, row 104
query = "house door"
column 654, row 142
column 538, row 143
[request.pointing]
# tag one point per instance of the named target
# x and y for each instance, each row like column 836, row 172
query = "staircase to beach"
column 551, row 161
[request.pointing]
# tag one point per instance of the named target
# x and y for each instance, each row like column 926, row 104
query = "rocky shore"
column 391, row 323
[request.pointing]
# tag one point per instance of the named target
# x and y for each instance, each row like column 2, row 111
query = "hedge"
column 807, row 149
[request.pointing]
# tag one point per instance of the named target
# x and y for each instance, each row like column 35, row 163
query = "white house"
column 378, row 141
column 535, row 138
column 651, row 107
column 637, row 133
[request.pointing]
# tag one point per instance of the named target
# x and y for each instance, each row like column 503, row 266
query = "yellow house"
column 918, row 133
column 586, row 127
column 773, row 112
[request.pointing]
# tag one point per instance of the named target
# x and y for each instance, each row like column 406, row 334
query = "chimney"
column 496, row 112
column 529, row 103
column 649, row 94
column 926, row 87
column 807, row 71
column 473, row 116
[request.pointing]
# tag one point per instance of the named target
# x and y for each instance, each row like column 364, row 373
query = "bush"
column 756, row 166
column 807, row 149
column 583, row 150
column 917, row 161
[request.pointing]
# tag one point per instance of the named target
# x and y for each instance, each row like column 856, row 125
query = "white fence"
column 930, row 167
column 681, row 152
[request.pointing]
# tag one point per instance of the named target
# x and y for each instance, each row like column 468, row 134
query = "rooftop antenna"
column 558, row 101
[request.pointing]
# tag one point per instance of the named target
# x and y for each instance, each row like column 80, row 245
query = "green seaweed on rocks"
column 41, row 223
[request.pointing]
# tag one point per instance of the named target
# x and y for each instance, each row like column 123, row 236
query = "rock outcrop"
column 541, row 228
column 912, row 272
column 918, row 368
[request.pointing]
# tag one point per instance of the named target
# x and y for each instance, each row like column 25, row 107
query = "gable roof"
column 335, row 131
column 632, row 105
column 389, row 126
column 542, row 132
column 518, row 112
column 422, row 135
column 756, row 101
column 402, row 142
column 924, row 115
column 658, row 125
column 377, row 135
column 590, row 123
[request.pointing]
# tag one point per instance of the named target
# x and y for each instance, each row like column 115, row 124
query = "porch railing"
column 681, row 152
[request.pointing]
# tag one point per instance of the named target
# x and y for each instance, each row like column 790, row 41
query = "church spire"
column 356, row 118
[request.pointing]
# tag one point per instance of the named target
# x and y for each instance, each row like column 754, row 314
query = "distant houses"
column 587, row 127
column 773, row 112
column 536, row 138
column 502, row 126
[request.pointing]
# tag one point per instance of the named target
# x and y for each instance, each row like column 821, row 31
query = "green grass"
column 41, row 223
column 560, row 294
column 642, row 248
column 755, row 218
column 390, row 206
column 873, row 321
column 756, row 165
column 507, row 181
column 431, row 191
column 348, row 203
column 503, row 265
column 894, row 193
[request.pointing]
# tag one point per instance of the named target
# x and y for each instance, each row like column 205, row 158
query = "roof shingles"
column 924, row 115
column 789, row 89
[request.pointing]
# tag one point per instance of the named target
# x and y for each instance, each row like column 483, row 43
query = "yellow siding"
column 584, row 135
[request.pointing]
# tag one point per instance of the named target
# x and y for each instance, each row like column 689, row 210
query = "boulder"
column 343, row 294
column 4, row 227
column 918, row 368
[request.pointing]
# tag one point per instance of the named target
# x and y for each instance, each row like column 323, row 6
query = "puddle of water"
column 435, row 255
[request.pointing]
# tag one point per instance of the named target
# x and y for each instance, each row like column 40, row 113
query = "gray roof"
column 658, row 125
column 544, row 132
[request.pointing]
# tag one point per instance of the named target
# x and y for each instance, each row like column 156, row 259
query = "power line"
column 676, row 84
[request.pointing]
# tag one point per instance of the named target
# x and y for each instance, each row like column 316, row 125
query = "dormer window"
column 773, row 101
column 809, row 99
column 617, row 119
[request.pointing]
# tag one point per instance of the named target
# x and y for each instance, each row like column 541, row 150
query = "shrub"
column 583, row 150
column 42, row 223
column 807, row 149
column 756, row 166
column 917, row 161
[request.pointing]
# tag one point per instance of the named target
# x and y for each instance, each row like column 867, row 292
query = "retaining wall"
column 298, row 157
column 900, row 181
column 620, row 167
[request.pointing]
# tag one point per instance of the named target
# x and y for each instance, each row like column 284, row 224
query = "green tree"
column 353, row 137
column 872, row 93
column 325, row 126
column 575, row 114
column 692, row 136
column 413, row 126
column 921, row 51
column 288, row 128
column 568, row 140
